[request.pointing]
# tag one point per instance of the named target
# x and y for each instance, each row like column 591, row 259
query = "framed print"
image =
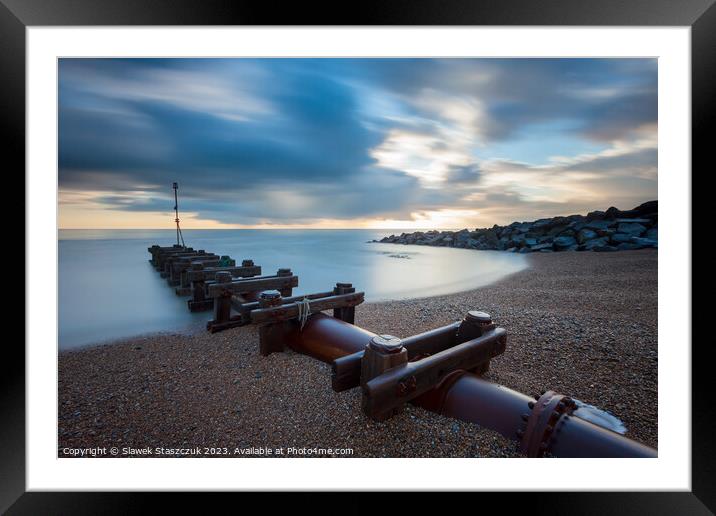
column 427, row 247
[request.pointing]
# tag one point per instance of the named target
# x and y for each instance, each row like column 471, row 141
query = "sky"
column 352, row 143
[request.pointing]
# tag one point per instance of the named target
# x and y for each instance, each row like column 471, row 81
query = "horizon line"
column 257, row 228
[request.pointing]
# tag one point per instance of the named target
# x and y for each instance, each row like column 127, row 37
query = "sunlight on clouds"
column 420, row 155
column 454, row 130
column 368, row 143
column 466, row 114
column 648, row 139
column 437, row 219
column 534, row 184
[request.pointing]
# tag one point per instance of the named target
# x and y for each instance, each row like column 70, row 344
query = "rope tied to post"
column 304, row 310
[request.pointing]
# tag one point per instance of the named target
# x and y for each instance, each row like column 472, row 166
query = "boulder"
column 601, row 231
column 578, row 225
column 632, row 221
column 599, row 224
column 628, row 246
column 618, row 238
column 541, row 247
column 556, row 230
column 606, row 232
column 643, row 242
column 647, row 207
column 586, row 234
column 564, row 242
column 524, row 227
column 632, row 228
column 612, row 213
column 590, row 245
column 541, row 224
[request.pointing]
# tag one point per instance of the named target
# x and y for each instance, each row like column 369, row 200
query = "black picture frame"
column 17, row 15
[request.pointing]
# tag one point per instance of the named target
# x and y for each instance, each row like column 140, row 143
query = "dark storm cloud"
column 295, row 138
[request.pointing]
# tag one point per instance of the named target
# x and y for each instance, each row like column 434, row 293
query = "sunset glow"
column 352, row 143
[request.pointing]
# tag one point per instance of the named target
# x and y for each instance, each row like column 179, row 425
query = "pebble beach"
column 583, row 324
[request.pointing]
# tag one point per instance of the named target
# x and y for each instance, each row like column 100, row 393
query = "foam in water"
column 599, row 417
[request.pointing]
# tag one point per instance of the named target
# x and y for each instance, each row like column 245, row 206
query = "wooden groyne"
column 215, row 283
column 440, row 370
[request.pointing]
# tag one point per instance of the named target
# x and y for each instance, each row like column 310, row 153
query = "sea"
column 108, row 290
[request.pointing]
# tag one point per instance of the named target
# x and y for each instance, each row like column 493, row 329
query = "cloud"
column 283, row 141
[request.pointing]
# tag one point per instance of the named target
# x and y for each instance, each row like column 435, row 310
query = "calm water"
column 108, row 289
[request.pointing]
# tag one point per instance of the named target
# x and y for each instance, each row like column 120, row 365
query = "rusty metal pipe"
column 576, row 437
column 326, row 338
column 465, row 396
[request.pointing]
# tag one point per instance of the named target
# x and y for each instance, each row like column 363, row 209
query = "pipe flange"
column 547, row 410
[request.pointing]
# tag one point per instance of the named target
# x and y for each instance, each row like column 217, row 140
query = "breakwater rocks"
column 610, row 230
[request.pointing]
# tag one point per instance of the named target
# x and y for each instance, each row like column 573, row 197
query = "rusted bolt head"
column 478, row 317
column 247, row 263
column 223, row 277
column 284, row 272
column 386, row 344
column 197, row 266
column 269, row 298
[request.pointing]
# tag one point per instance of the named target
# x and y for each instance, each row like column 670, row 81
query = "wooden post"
column 474, row 325
column 163, row 253
column 286, row 291
column 154, row 250
column 348, row 313
column 271, row 335
column 222, row 303
column 167, row 261
column 382, row 353
column 180, row 277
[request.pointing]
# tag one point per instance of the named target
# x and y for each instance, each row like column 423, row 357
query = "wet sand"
column 584, row 324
